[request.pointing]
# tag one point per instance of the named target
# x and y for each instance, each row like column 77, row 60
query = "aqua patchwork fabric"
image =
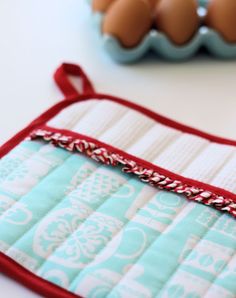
column 99, row 233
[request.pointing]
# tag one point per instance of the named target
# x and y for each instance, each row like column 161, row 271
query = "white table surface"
column 36, row 36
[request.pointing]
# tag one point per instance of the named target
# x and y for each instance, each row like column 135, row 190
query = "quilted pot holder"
column 100, row 197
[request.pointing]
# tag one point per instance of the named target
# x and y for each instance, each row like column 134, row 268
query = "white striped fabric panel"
column 189, row 155
column 131, row 127
column 226, row 177
column 153, row 142
column 70, row 116
column 100, row 118
column 207, row 164
column 181, row 152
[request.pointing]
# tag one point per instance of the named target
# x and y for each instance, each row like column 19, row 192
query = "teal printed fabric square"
column 98, row 232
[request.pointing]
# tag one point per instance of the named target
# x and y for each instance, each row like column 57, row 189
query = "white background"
column 36, row 36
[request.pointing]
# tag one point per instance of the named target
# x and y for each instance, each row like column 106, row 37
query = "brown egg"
column 178, row 19
column 221, row 16
column 101, row 5
column 128, row 20
column 153, row 3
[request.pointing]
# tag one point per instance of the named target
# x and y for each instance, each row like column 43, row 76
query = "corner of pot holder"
column 100, row 197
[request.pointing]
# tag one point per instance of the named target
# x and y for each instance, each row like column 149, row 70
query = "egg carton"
column 162, row 45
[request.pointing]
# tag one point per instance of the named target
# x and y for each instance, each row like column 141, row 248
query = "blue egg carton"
column 162, row 45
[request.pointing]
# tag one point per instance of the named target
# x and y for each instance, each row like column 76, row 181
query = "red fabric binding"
column 13, row 269
column 67, row 88
column 39, row 285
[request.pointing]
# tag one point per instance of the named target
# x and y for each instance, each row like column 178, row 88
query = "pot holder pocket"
column 100, row 197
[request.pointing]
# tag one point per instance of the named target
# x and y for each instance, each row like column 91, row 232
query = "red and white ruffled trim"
column 150, row 176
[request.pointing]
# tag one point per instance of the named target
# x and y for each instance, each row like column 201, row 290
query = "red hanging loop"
column 61, row 78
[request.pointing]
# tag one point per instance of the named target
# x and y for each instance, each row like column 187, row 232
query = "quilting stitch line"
column 149, row 247
column 58, row 203
column 115, row 235
column 175, row 269
column 233, row 259
column 76, row 230
column 34, row 186
column 48, row 174
column 217, row 276
column 22, row 161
